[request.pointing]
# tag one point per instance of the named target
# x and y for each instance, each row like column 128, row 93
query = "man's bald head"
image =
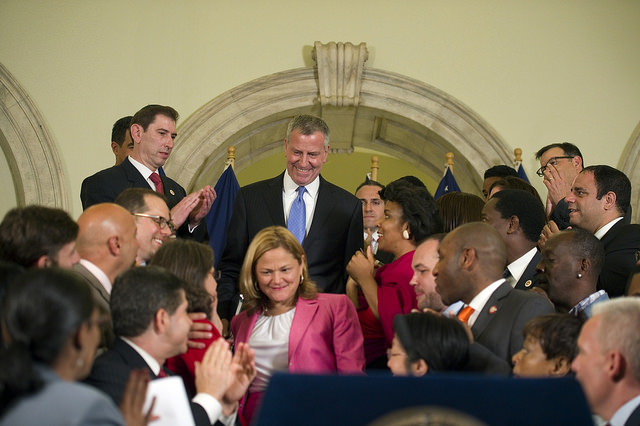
column 485, row 240
column 107, row 237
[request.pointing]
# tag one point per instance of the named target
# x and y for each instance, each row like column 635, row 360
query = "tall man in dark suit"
column 598, row 202
column 472, row 259
column 332, row 228
column 608, row 361
column 518, row 216
column 149, row 311
column 153, row 130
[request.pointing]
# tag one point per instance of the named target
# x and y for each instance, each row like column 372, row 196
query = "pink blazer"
column 325, row 335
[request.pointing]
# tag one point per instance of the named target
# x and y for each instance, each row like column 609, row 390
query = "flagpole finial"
column 518, row 155
column 231, row 156
column 449, row 156
column 374, row 167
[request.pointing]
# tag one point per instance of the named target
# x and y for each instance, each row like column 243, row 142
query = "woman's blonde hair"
column 268, row 239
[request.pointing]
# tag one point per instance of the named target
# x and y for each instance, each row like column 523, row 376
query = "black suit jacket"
column 111, row 371
column 106, row 185
column 620, row 243
column 530, row 277
column 634, row 418
column 335, row 234
column 499, row 325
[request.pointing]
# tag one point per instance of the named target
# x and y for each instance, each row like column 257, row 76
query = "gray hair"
column 308, row 125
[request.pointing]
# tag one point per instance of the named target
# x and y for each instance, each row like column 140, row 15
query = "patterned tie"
column 465, row 313
column 297, row 222
column 155, row 178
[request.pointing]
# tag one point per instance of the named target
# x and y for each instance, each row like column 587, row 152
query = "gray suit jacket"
column 102, row 299
column 499, row 325
column 63, row 403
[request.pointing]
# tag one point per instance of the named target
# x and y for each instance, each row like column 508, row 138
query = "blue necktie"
column 297, row 222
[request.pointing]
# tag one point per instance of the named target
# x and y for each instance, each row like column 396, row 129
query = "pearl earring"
column 301, row 278
column 405, row 234
column 579, row 275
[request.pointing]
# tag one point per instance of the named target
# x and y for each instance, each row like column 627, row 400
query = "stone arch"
column 395, row 115
column 629, row 164
column 36, row 169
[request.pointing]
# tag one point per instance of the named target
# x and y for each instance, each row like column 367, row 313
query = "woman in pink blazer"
column 286, row 322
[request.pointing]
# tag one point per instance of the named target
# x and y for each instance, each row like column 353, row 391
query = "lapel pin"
column 528, row 283
column 493, row 310
column 171, row 192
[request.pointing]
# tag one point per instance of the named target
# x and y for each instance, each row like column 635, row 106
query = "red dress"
column 184, row 364
column 395, row 296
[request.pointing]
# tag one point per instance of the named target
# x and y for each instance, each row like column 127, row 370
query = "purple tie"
column 297, row 222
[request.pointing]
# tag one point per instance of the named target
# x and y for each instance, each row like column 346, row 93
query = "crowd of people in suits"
column 313, row 279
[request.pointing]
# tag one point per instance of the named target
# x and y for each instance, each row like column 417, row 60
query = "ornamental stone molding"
column 36, row 169
column 629, row 164
column 391, row 114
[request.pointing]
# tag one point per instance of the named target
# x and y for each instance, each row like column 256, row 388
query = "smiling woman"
column 410, row 216
column 286, row 322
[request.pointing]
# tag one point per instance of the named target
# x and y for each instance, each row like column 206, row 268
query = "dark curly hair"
column 419, row 208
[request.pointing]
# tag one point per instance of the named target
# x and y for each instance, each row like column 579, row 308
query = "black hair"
column 120, row 128
column 440, row 341
column 419, row 208
column 138, row 294
column 27, row 233
column 500, row 171
column 40, row 311
column 613, row 180
column 569, row 149
column 526, row 207
column 370, row 182
column 557, row 334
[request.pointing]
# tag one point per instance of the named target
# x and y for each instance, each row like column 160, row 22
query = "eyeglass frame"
column 540, row 171
column 159, row 220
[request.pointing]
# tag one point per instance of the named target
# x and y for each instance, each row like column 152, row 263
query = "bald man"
column 470, row 267
column 107, row 246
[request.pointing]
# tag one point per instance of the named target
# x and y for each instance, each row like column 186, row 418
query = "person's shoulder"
column 332, row 300
column 325, row 185
column 108, row 173
column 261, row 184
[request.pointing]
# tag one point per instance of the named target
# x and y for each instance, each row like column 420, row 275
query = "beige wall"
column 537, row 72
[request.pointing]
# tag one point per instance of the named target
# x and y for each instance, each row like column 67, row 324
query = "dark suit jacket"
column 530, row 277
column 111, row 371
column 499, row 325
column 335, row 234
column 634, row 418
column 620, row 243
column 102, row 299
column 106, row 185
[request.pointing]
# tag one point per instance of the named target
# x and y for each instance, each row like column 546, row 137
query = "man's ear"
column 114, row 245
column 136, row 131
column 467, row 257
column 115, row 147
column 561, row 366
column 44, row 261
column 419, row 368
column 160, row 321
column 610, row 200
column 513, row 225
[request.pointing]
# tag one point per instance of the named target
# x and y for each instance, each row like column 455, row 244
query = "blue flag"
column 447, row 184
column 219, row 216
column 521, row 174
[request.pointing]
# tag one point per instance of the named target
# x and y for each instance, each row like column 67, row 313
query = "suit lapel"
column 302, row 320
column 134, row 177
column 79, row 268
column 245, row 332
column 493, row 306
column 272, row 200
column 322, row 211
column 529, row 273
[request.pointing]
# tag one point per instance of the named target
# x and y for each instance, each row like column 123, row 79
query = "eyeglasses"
column 552, row 161
column 159, row 220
